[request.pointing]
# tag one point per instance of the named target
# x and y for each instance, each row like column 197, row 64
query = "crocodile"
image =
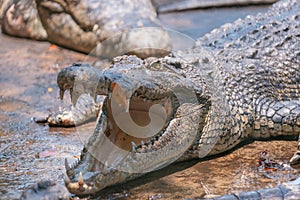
column 51, row 190
column 46, row 190
column 286, row 191
column 20, row 18
column 240, row 82
column 82, row 25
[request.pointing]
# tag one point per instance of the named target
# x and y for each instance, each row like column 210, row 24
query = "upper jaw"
column 78, row 79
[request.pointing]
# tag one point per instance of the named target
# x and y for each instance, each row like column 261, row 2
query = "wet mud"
column 30, row 152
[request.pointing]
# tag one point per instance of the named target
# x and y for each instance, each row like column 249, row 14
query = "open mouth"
column 137, row 125
column 149, row 119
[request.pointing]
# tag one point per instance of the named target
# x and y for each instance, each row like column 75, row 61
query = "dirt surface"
column 28, row 151
column 31, row 152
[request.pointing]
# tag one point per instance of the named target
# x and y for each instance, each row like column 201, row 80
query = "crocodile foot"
column 295, row 159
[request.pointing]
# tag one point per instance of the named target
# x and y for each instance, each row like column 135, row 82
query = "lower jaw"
column 91, row 165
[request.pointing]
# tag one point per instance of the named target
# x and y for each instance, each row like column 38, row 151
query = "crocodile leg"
column 86, row 25
column 20, row 18
column 279, row 118
column 273, row 119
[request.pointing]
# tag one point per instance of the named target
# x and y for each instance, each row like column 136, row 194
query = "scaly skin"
column 286, row 191
column 239, row 82
column 82, row 24
column 20, row 18
column 83, row 79
column 85, row 25
column 46, row 190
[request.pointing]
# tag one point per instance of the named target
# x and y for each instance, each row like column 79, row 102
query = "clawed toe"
column 296, row 158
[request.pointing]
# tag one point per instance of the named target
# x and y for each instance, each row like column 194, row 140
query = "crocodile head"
column 78, row 79
column 151, row 116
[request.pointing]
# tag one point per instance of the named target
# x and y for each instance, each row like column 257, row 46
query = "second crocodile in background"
column 239, row 82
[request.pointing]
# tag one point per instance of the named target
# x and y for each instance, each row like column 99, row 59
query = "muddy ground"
column 30, row 152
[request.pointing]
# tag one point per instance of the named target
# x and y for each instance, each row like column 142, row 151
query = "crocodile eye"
column 155, row 65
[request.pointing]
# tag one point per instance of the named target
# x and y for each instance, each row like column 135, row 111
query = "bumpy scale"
column 239, row 82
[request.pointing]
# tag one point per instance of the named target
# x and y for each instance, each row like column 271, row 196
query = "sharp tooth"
column 105, row 167
column 61, row 94
column 71, row 93
column 133, row 146
column 66, row 179
column 67, row 166
column 133, row 149
column 95, row 27
column 142, row 143
column 127, row 105
column 76, row 162
column 80, row 179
